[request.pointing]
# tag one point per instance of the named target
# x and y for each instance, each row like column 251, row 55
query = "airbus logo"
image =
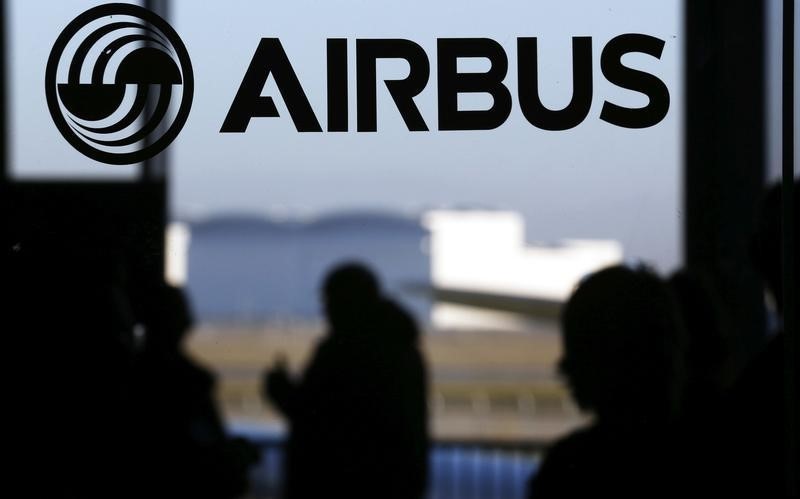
column 119, row 84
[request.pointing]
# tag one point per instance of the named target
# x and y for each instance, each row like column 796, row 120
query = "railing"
column 459, row 469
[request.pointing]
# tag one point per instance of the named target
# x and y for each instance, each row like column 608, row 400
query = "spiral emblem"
column 119, row 84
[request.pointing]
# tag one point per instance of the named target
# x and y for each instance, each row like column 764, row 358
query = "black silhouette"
column 71, row 326
column 759, row 402
column 182, row 449
column 707, row 353
column 622, row 361
column 709, row 363
column 358, row 415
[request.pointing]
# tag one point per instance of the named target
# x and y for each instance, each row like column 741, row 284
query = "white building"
column 485, row 252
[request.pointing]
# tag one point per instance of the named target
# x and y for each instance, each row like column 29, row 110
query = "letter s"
column 633, row 79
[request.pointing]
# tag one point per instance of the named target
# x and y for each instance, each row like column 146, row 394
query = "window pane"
column 594, row 181
column 37, row 148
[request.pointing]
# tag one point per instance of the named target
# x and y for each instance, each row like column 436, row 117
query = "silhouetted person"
column 622, row 361
column 182, row 447
column 757, row 426
column 358, row 422
column 67, row 325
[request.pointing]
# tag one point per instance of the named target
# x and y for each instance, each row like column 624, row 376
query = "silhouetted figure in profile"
column 756, row 430
column 622, row 361
column 358, row 415
column 182, row 447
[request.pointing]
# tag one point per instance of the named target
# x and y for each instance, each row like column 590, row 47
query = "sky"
column 594, row 181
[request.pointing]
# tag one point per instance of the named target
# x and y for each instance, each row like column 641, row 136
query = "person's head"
column 166, row 317
column 350, row 291
column 622, row 345
column 767, row 243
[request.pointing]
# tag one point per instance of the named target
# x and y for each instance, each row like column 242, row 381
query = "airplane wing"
column 542, row 308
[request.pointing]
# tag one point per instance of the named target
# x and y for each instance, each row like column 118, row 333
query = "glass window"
column 37, row 149
column 508, row 214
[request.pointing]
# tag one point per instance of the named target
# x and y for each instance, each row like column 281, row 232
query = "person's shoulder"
column 398, row 321
column 328, row 351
